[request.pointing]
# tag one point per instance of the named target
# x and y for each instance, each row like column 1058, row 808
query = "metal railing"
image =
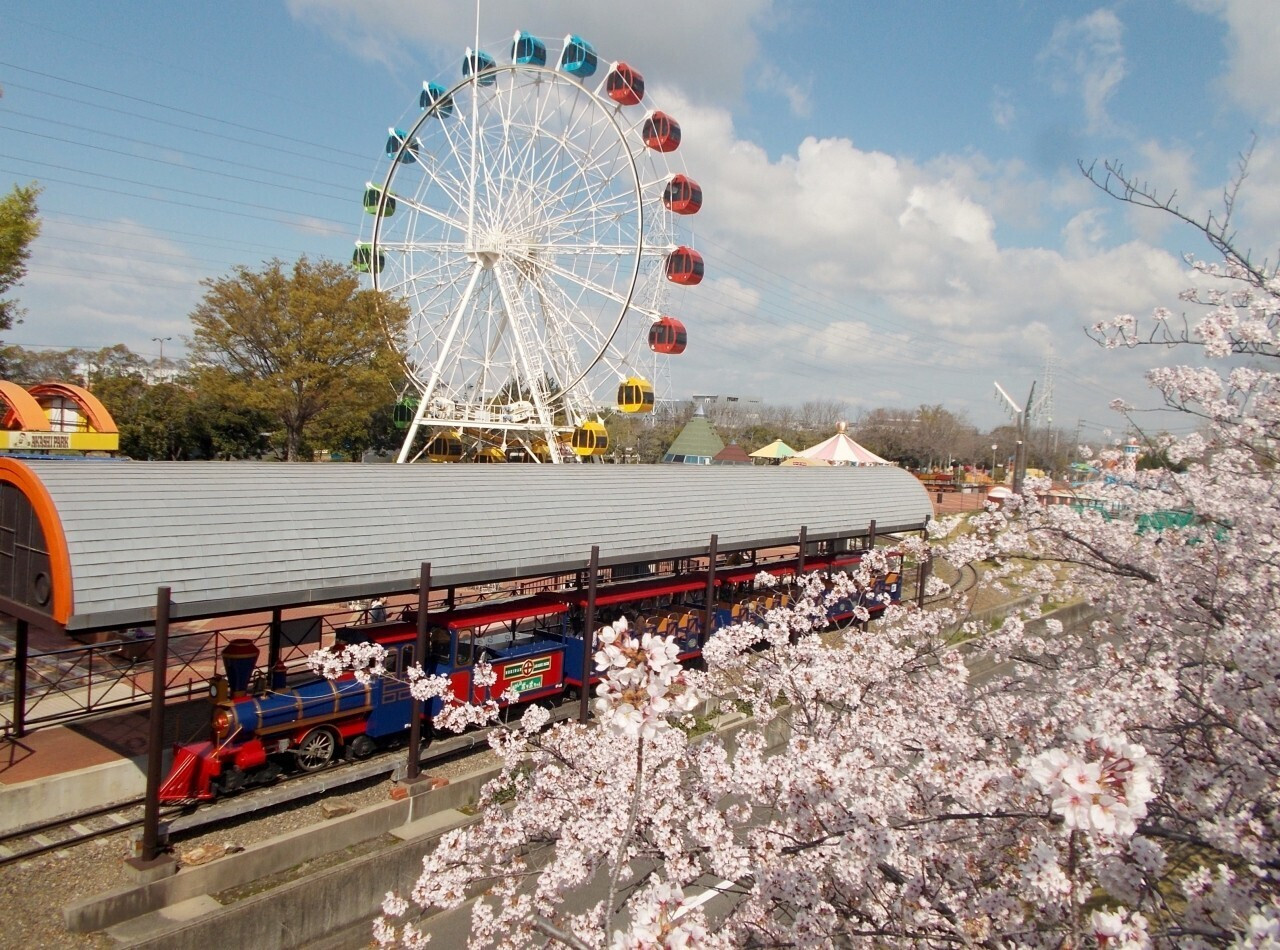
column 81, row 681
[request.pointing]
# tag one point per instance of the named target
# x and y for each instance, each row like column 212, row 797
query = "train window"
column 392, row 662
column 408, row 656
column 441, row 645
column 466, row 647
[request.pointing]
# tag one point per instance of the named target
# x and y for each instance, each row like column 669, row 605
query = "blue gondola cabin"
column 578, row 58
column 480, row 64
column 433, row 96
column 395, row 139
column 528, row 50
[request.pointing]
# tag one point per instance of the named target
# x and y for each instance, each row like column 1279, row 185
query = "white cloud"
column 797, row 95
column 890, row 273
column 117, row 282
column 1086, row 57
column 1253, row 71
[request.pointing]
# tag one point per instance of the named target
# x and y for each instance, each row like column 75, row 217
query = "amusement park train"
column 534, row 644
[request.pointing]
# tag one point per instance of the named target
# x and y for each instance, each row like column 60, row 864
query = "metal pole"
column 273, row 642
column 22, row 647
column 923, row 575
column 155, row 739
column 871, row 538
column 588, row 635
column 414, row 768
column 804, row 534
column 710, row 616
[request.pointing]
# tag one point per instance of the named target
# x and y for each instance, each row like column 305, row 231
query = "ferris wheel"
column 529, row 215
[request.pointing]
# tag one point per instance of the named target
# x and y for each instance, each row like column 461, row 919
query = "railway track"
column 177, row 823
column 70, row 831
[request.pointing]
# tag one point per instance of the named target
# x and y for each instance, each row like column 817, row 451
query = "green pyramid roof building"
column 697, row 443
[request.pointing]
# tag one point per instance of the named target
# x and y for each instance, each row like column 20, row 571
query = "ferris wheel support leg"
column 454, row 323
column 534, row 378
column 413, row 431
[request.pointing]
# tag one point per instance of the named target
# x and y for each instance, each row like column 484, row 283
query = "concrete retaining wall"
column 176, row 912
column 43, row 799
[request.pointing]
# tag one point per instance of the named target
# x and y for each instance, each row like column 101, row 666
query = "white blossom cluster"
column 642, row 682
column 1103, row 789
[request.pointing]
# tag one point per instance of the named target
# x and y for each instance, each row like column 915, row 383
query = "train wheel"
column 316, row 750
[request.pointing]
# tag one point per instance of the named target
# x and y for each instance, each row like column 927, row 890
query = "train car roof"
column 87, row 546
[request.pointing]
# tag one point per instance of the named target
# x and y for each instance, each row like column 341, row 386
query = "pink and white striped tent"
column 842, row 450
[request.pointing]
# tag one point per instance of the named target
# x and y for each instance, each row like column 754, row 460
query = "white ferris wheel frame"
column 488, row 286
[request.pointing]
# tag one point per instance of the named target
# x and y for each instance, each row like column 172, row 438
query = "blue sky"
column 893, row 217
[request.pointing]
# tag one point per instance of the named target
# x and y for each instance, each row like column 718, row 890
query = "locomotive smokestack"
column 239, row 657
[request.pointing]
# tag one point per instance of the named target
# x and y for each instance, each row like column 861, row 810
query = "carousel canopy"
column 842, row 450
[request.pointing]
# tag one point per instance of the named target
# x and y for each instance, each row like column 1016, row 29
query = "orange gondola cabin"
column 661, row 132
column 624, row 85
column 668, row 336
column 684, row 266
column 682, row 195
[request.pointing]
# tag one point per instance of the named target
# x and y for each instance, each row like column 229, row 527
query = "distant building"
column 697, row 443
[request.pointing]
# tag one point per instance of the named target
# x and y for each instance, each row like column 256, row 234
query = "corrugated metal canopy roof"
column 227, row 537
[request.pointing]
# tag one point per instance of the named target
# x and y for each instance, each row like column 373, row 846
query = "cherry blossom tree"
column 937, row 778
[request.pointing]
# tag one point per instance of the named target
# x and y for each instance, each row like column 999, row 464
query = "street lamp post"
column 993, row 461
column 162, row 340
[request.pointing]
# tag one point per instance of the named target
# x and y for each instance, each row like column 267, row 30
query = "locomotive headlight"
column 218, row 688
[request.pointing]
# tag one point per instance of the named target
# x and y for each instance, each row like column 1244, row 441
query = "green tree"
column 28, row 367
column 305, row 346
column 19, row 226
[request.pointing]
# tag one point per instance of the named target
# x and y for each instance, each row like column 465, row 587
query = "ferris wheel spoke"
column 454, row 322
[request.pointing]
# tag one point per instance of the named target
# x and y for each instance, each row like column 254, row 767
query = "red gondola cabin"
column 684, row 266
column 624, row 85
column 661, row 132
column 682, row 195
column 668, row 336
